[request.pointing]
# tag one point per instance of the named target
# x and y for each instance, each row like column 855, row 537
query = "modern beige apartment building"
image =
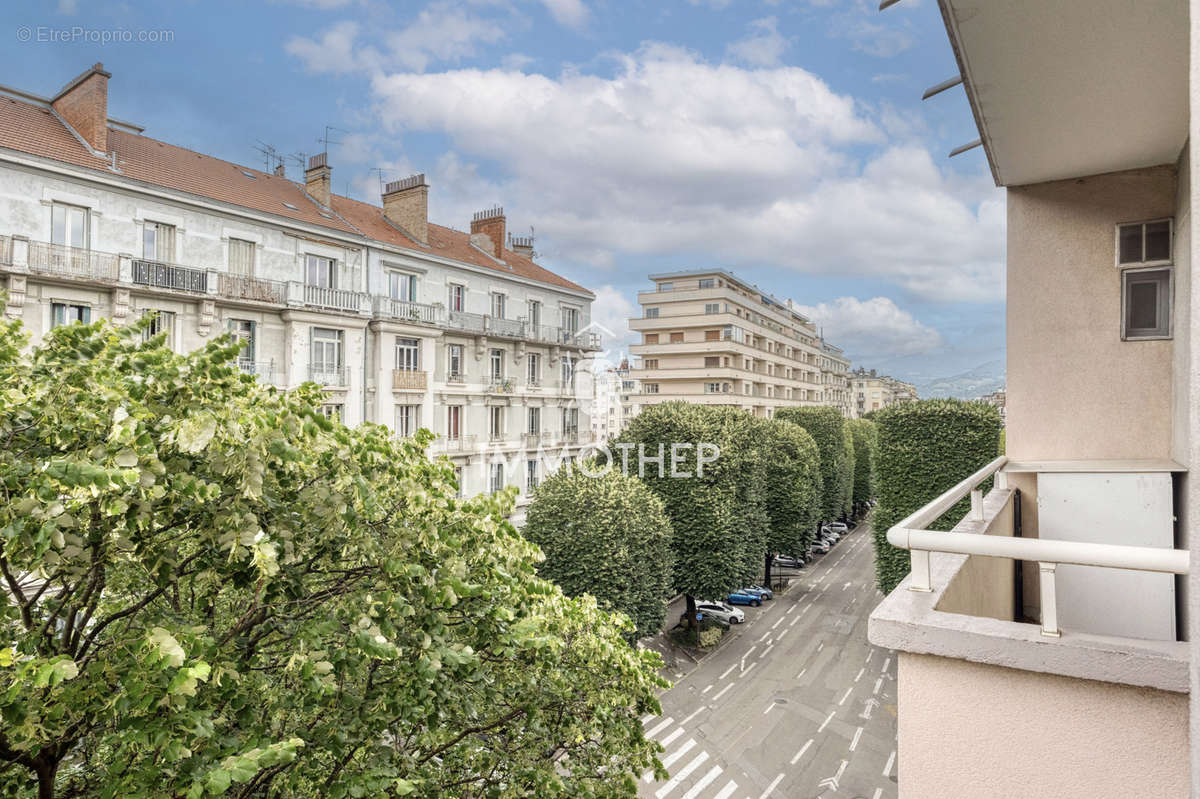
column 1049, row 646
column 870, row 391
column 711, row 338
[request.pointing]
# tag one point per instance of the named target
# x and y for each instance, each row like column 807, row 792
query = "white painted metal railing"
column 910, row 534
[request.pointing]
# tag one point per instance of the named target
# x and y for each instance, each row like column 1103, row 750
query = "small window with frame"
column 1143, row 243
column 1146, row 304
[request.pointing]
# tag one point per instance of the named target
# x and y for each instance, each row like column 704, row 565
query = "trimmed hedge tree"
column 827, row 428
column 607, row 536
column 793, row 488
column 926, row 447
column 863, row 433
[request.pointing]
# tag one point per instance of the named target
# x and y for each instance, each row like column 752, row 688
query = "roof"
column 34, row 129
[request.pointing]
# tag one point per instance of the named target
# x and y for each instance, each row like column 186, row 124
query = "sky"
column 782, row 140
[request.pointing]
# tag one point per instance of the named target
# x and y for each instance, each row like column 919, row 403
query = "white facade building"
column 404, row 323
column 615, row 401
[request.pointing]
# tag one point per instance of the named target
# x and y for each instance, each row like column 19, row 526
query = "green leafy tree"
column 827, row 428
column 793, row 488
column 862, row 432
column 849, row 467
column 211, row 590
column 925, row 448
column 607, row 536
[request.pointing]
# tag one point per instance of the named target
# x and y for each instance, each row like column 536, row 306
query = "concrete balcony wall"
column 985, row 586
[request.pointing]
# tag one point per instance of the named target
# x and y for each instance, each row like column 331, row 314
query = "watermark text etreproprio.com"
column 74, row 34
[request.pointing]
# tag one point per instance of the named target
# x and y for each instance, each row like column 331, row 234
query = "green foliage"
column 827, row 428
column 209, row 589
column 793, row 486
column 710, row 636
column 925, row 448
column 866, row 446
column 607, row 536
column 849, row 465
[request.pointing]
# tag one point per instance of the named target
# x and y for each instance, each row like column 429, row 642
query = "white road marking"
column 657, row 728
column 780, row 638
column 820, row 646
column 771, row 787
column 721, row 692
column 800, row 754
column 806, row 607
column 763, row 637
column 682, row 775
column 857, row 735
column 678, row 753
column 769, row 707
column 886, row 663
column 845, row 696
column 887, row 770
column 878, row 683
column 878, row 793
column 856, row 678
column 725, row 673
column 703, row 783
column 777, row 622
column 825, row 723
column 695, row 713
column 647, row 719
column 671, row 738
column 870, row 655
column 793, row 624
column 709, row 687
column 752, row 665
column 801, row 674
column 870, row 704
column 726, row 791
column 832, row 782
column 749, row 652
column 767, row 651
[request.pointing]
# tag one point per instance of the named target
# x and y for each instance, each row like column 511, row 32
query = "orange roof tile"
column 35, row 130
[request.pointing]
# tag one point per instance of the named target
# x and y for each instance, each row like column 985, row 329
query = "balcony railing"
column 239, row 287
column 461, row 320
column 5, row 250
column 326, row 375
column 458, row 444
column 409, row 380
column 910, row 534
column 456, row 377
column 263, row 370
column 332, row 299
column 405, row 311
column 58, row 259
column 501, row 385
column 169, row 276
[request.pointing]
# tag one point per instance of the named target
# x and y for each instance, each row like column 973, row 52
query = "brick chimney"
column 317, row 179
column 406, row 205
column 83, row 104
column 489, row 225
column 280, row 172
column 521, row 245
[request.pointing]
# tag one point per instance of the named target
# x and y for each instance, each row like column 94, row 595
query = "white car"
column 721, row 612
column 837, row 527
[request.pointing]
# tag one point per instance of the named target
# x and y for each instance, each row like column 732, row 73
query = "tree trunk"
column 767, row 571
column 691, row 611
column 46, row 770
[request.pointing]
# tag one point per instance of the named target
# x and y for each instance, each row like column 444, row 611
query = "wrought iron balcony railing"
column 58, row 259
column 169, row 276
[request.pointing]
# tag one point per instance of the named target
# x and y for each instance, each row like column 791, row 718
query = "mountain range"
column 983, row 379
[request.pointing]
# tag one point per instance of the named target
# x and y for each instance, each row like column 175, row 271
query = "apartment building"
column 615, row 401
column 401, row 321
column 711, row 338
column 998, row 400
column 871, row 391
column 1049, row 646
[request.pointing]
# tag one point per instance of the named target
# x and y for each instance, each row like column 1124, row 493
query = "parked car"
column 740, row 598
column 762, row 591
column 838, row 527
column 821, row 545
column 721, row 612
column 788, row 562
column 831, row 534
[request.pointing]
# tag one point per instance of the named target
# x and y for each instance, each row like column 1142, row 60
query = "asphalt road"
column 798, row 705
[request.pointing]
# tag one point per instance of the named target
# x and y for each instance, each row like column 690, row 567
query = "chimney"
column 489, row 225
column 521, row 245
column 83, row 104
column 280, row 172
column 406, row 205
column 317, row 180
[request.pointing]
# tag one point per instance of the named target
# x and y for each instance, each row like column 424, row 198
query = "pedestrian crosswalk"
column 690, row 759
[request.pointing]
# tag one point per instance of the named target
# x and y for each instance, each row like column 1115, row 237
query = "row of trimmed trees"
column 632, row 542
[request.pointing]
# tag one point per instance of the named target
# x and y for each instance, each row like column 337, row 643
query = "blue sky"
column 784, row 141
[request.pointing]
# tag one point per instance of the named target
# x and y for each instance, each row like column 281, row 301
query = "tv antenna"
column 270, row 155
column 300, row 159
column 326, row 141
column 379, row 171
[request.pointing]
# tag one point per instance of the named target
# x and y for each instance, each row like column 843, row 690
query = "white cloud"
column 868, row 32
column 715, row 4
column 876, row 327
column 334, row 52
column 612, row 311
column 68, row 7
column 568, row 13
column 671, row 155
column 763, row 46
column 516, row 62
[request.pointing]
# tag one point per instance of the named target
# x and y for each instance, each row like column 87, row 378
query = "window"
column 535, row 368
column 407, row 420
column 677, row 338
column 707, row 283
column 243, row 332
column 496, row 422
column 570, row 320
column 531, row 475
column 535, row 421
column 1144, row 242
column 649, row 388
column 161, row 322
column 241, row 257
column 650, row 363
column 712, row 360
column 457, row 294
column 1146, row 304
column 535, row 313
column 158, row 241
column 649, row 338
column 498, row 304
column 402, row 286
column 666, row 286
column 408, row 352
column 326, row 357
column 64, row 314
column 651, row 313
column 497, row 364
column 713, row 388
column 568, row 372
column 332, row 411
column 496, row 484
column 454, row 361
column 69, row 225
column 712, row 307
column 458, row 481
column 320, row 272
column 570, row 421
column 454, row 422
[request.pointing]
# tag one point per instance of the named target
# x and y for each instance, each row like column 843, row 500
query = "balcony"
column 332, row 299
column 263, row 370
column 501, row 385
column 6, row 250
column 457, row 378
column 458, row 444
column 169, row 276
column 534, row 440
column 409, row 380
column 509, row 328
column 467, row 322
column 239, row 287
column 405, row 311
column 58, row 259
column 329, row 376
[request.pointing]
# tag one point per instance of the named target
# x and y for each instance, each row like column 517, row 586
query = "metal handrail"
column 910, row 534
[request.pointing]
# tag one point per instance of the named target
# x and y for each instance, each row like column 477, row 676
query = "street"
column 799, row 705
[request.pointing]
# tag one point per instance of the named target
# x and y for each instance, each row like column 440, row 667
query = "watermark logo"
column 75, row 34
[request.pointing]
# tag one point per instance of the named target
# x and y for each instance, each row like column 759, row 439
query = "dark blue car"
column 743, row 598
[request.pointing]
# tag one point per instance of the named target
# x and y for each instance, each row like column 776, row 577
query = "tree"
column 210, row 589
column 865, row 445
column 827, row 427
column 849, row 467
column 718, row 513
column 607, row 536
column 793, row 488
